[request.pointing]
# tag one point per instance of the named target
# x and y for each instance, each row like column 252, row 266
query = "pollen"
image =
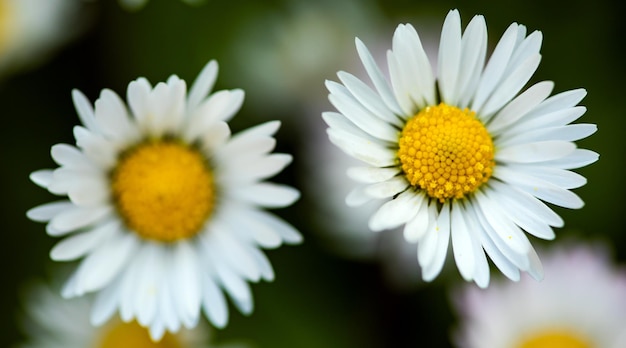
column 131, row 334
column 555, row 339
column 163, row 190
column 446, row 151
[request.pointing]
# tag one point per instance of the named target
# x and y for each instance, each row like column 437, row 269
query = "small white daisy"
column 50, row 321
column 462, row 155
column 581, row 303
column 30, row 29
column 164, row 205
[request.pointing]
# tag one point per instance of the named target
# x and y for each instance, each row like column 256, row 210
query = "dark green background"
column 318, row 298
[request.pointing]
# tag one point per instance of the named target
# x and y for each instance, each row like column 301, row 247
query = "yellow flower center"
column 555, row 339
column 163, row 190
column 132, row 335
column 446, row 151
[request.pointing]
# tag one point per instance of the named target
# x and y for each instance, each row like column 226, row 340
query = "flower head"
column 463, row 155
column 581, row 303
column 164, row 204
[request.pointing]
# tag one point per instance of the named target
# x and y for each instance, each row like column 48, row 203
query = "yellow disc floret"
column 446, row 152
column 133, row 335
column 556, row 339
column 163, row 190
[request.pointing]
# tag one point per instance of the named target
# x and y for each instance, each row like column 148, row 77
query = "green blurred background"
column 320, row 298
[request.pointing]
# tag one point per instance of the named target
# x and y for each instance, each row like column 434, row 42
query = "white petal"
column 90, row 191
column 426, row 247
column 505, row 230
column 396, row 211
column 412, row 57
column 112, row 117
column 256, row 169
column 495, row 67
column 415, row 228
column 561, row 101
column 362, row 149
column 557, row 176
column 442, row 230
column 345, row 103
column 535, row 152
column 368, row 98
column 542, row 189
column 267, row 194
column 449, row 57
column 77, row 217
column 85, row 110
column 101, row 266
column 400, row 84
column 48, row 211
column 220, row 106
column 70, row 156
column 146, row 294
column 186, row 274
column 267, row 272
column 202, row 85
column 388, row 188
column 481, row 266
column 105, row 303
column 358, row 197
column 528, row 204
column 234, row 254
column 370, row 175
column 286, row 232
column 138, row 95
column 214, row 137
column 246, row 140
column 462, row 244
column 377, row 77
column 520, row 106
column 102, row 152
column 246, row 228
column 214, row 303
column 473, row 52
column 499, row 259
column 341, row 123
column 577, row 159
column 80, row 244
column 521, row 216
column 41, row 178
column 570, row 132
column 511, row 85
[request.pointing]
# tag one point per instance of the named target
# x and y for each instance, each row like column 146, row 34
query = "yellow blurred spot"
column 555, row 339
column 132, row 335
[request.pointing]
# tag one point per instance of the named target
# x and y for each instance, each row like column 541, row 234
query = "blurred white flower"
column 50, row 321
column 581, row 303
column 31, row 29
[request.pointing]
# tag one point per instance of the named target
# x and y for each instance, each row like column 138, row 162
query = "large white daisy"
column 581, row 303
column 462, row 155
column 164, row 205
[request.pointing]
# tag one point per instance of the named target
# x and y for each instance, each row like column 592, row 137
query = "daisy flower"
column 30, row 29
column 462, row 156
column 581, row 303
column 164, row 205
column 50, row 321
